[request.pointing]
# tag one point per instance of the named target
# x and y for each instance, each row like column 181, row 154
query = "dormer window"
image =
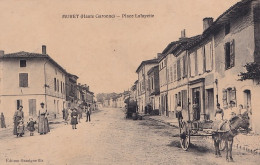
column 22, row 63
column 227, row 28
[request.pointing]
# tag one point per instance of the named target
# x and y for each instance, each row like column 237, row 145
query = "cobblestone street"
column 111, row 139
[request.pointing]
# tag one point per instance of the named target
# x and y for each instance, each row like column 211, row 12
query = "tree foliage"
column 252, row 72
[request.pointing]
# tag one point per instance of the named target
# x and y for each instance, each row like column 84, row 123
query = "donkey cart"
column 196, row 128
column 222, row 131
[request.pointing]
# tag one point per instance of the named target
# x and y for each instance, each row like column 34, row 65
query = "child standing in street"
column 20, row 129
column 30, row 126
column 74, row 117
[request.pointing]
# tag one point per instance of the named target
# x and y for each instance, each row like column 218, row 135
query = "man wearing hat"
column 43, row 125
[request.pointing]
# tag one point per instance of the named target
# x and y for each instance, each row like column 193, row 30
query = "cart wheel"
column 222, row 145
column 184, row 136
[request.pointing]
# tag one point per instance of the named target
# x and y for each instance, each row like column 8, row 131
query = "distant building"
column 142, row 85
column 154, row 87
column 71, row 90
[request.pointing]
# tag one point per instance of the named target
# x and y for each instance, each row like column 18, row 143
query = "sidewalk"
column 247, row 142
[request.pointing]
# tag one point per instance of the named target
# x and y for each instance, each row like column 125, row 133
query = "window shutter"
column 232, row 53
column 174, row 72
column 23, row 79
column 184, row 100
column 225, row 47
column 224, row 98
column 178, row 69
column 233, row 95
column 204, row 59
column 184, row 67
column 196, row 63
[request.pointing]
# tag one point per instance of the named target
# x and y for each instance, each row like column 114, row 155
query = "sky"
column 103, row 52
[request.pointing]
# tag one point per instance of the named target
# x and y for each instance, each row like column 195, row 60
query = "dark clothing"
column 88, row 116
column 18, row 115
column 30, row 126
column 3, row 121
column 63, row 113
column 66, row 114
column 74, row 118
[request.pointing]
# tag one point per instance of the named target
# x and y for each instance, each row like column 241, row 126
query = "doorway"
column 32, row 107
column 210, row 104
column 196, row 103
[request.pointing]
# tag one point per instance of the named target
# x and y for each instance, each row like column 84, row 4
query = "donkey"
column 228, row 131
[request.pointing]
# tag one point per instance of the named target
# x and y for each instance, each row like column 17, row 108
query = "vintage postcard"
column 129, row 82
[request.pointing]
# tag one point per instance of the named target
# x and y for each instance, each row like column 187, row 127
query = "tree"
column 252, row 72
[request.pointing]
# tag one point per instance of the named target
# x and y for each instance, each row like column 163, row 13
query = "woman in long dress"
column 18, row 116
column 43, row 125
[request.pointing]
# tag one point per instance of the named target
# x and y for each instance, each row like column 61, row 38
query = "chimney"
column 183, row 35
column 43, row 49
column 207, row 22
column 159, row 55
column 2, row 52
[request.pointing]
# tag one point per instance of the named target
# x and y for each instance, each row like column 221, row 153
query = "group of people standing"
column 73, row 115
column 43, row 124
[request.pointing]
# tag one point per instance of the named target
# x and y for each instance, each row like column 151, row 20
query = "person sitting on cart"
column 219, row 113
column 219, row 122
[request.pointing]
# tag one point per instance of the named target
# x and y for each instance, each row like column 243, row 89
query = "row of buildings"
column 204, row 69
column 29, row 79
column 117, row 100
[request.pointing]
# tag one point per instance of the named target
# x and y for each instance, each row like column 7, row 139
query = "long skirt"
column 16, row 122
column 74, row 121
column 43, row 125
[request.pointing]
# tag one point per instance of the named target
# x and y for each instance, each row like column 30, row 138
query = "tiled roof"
column 23, row 54
column 177, row 46
column 228, row 14
column 152, row 61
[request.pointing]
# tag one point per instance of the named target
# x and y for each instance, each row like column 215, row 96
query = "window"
column 61, row 88
column 152, row 82
column 58, row 86
column 18, row 103
column 229, row 94
column 22, row 63
column 64, row 88
column 54, row 84
column 174, row 72
column 23, row 79
column 184, row 67
column 200, row 61
column 229, row 54
column 178, row 69
column 227, row 28
column 208, row 56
